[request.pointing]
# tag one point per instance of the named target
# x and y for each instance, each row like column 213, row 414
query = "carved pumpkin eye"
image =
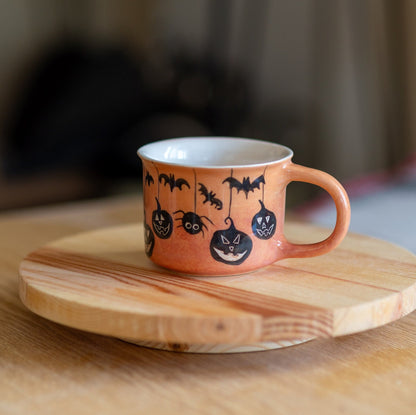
column 267, row 219
column 237, row 239
column 224, row 240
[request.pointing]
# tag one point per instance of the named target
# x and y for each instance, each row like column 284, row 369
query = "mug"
column 216, row 205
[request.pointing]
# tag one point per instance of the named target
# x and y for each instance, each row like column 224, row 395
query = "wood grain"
column 47, row 368
column 102, row 282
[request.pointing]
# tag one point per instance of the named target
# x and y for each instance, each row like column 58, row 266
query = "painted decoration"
column 210, row 197
column 192, row 223
column 246, row 186
column 230, row 246
column 264, row 223
column 149, row 240
column 172, row 182
column 162, row 222
column 148, row 178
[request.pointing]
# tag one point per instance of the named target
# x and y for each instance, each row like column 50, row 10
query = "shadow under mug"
column 216, row 205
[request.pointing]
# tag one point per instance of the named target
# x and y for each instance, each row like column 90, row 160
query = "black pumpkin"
column 264, row 223
column 162, row 222
column 149, row 240
column 230, row 246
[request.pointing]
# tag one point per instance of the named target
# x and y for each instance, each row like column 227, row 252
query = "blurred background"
column 84, row 83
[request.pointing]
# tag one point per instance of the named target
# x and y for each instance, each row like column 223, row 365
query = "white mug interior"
column 214, row 152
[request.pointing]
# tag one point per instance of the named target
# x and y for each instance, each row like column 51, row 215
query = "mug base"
column 217, row 348
column 203, row 274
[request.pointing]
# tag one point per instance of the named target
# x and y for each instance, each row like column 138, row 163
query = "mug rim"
column 145, row 152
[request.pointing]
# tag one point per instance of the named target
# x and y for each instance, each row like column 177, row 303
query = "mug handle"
column 296, row 172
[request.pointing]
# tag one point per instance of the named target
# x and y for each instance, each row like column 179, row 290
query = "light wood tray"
column 102, row 282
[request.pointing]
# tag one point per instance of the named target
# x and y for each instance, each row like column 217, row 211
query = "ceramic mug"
column 216, row 205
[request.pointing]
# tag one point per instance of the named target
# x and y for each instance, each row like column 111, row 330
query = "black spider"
column 192, row 223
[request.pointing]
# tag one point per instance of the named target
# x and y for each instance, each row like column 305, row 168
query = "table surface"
column 48, row 368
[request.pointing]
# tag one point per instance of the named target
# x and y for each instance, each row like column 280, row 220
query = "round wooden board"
column 102, row 282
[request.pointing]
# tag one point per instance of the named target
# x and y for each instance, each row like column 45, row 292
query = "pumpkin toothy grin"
column 265, row 232
column 162, row 230
column 230, row 257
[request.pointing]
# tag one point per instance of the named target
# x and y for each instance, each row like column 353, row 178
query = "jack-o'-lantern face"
column 162, row 222
column 149, row 240
column 264, row 223
column 230, row 246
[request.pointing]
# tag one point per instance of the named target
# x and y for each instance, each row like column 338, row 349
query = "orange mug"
column 216, row 205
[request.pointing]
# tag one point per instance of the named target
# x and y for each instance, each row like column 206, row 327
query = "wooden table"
column 46, row 368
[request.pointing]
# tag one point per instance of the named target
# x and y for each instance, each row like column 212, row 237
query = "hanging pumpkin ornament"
column 161, row 222
column 264, row 223
column 149, row 240
column 230, row 246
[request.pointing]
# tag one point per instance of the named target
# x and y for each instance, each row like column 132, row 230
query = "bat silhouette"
column 172, row 182
column 148, row 179
column 245, row 185
column 210, row 197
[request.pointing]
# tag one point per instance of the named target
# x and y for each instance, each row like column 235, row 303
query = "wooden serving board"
column 102, row 282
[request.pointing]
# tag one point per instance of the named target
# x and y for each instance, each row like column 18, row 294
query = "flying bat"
column 245, row 185
column 148, row 179
column 172, row 182
column 210, row 197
